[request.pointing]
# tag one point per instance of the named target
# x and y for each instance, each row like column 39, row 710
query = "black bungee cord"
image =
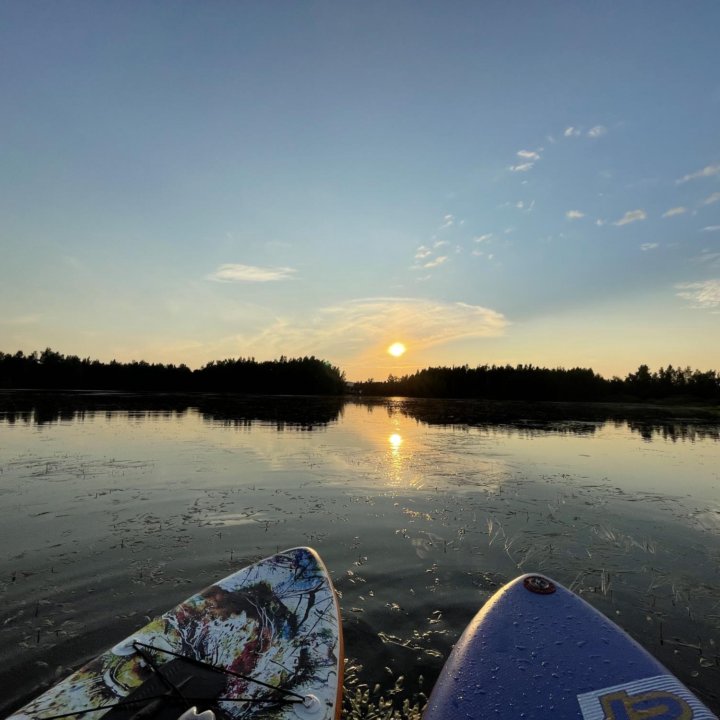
column 172, row 688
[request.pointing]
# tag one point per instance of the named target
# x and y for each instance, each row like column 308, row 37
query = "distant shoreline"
column 668, row 386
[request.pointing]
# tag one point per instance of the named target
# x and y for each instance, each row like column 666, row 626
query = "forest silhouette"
column 51, row 370
column 528, row 382
column 312, row 376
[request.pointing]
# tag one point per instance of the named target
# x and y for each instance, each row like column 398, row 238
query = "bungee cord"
column 175, row 693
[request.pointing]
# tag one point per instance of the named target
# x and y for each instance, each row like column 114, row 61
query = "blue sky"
column 487, row 182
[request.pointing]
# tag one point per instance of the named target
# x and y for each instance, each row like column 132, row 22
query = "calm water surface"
column 111, row 513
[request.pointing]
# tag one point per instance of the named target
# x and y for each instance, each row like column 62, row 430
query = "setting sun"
column 397, row 349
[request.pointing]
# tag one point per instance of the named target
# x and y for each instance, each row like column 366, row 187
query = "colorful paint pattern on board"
column 276, row 621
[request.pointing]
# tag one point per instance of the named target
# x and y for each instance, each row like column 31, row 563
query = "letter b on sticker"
column 654, row 705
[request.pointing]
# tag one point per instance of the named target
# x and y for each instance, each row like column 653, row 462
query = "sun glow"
column 397, row 349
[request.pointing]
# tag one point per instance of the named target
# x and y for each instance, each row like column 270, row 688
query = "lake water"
column 113, row 509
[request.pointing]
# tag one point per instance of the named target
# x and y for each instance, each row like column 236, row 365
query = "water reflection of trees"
column 293, row 412
column 303, row 413
column 308, row 412
column 512, row 418
column 674, row 431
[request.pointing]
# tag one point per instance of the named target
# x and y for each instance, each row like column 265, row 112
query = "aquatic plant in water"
column 389, row 702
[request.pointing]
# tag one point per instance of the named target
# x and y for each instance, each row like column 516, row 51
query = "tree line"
column 309, row 375
column 529, row 382
column 52, row 370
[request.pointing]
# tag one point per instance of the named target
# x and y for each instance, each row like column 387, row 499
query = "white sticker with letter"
column 661, row 698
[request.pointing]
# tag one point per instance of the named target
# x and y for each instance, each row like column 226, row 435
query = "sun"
column 397, row 349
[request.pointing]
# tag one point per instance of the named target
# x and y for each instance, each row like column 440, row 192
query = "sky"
column 485, row 182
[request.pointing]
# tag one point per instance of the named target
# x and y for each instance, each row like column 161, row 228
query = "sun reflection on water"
column 397, row 460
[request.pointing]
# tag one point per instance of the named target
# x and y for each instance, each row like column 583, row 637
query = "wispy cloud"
column 365, row 326
column 597, row 131
column 571, row 132
column 426, row 257
column 483, row 238
column 528, row 155
column 707, row 171
column 250, row 273
column 648, row 246
column 574, row 214
column 703, row 295
column 708, row 257
column 710, row 228
column 631, row 216
column 429, row 322
column 437, row 261
column 526, row 207
column 448, row 221
column 672, row 212
column 711, row 199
